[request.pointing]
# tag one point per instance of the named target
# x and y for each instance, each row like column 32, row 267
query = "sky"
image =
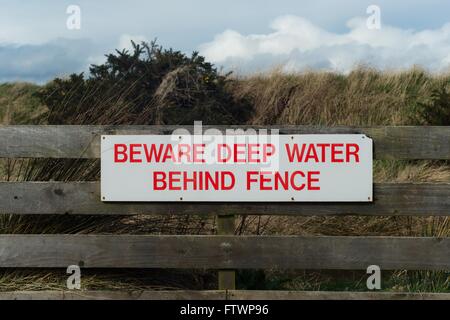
column 40, row 40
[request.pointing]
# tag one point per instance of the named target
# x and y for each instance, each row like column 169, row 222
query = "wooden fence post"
column 226, row 226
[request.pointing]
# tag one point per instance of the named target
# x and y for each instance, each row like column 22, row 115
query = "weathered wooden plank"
column 84, row 198
column 404, row 142
column 224, row 252
column 114, row 295
column 333, row 295
column 217, row 295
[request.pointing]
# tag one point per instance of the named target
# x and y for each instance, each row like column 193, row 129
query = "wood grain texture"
column 114, row 295
column 404, row 142
column 331, row 295
column 84, row 198
column 218, row 295
column 224, row 252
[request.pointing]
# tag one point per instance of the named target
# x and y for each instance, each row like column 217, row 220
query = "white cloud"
column 298, row 44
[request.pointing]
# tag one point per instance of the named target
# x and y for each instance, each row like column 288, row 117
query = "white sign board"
column 265, row 168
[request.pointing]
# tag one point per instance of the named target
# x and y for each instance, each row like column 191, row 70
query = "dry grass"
column 156, row 279
column 364, row 97
column 17, row 104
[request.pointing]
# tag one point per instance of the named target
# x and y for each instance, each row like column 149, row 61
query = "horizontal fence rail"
column 84, row 198
column 331, row 295
column 217, row 295
column 223, row 252
column 30, row 141
column 115, row 295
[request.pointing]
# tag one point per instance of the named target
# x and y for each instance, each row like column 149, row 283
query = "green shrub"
column 436, row 111
column 150, row 85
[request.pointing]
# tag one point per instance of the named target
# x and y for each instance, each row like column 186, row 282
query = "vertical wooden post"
column 226, row 226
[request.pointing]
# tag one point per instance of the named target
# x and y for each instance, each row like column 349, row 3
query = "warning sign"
column 264, row 168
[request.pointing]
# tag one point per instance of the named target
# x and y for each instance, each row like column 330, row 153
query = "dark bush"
column 436, row 111
column 150, row 85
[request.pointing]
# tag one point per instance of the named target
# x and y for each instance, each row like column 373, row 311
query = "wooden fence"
column 224, row 251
